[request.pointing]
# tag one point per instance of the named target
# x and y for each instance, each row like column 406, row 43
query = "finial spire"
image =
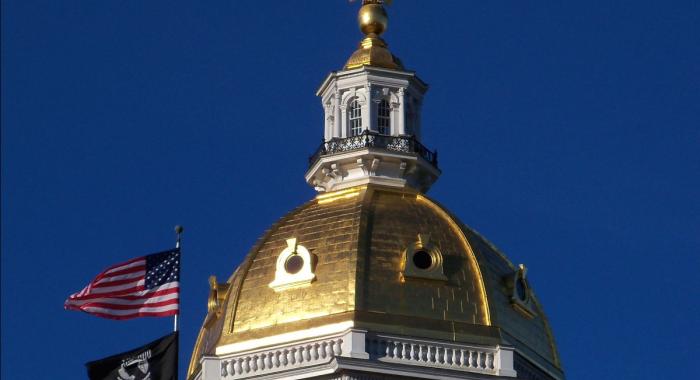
column 373, row 21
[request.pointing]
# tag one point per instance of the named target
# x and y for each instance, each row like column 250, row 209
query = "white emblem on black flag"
column 154, row 361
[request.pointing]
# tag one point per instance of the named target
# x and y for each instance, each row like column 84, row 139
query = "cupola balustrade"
column 370, row 139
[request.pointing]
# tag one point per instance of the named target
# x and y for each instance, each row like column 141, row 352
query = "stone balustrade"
column 433, row 354
column 280, row 359
column 359, row 348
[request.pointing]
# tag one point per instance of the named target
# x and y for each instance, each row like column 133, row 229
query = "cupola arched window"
column 384, row 118
column 355, row 118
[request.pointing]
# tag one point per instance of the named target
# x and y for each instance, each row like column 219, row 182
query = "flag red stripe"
column 111, row 310
column 102, row 276
column 124, row 265
column 136, row 274
column 114, row 306
column 155, row 292
column 133, row 286
column 171, row 287
column 135, row 315
column 136, row 290
column 120, row 281
column 121, row 309
column 158, row 296
column 135, row 266
column 145, row 309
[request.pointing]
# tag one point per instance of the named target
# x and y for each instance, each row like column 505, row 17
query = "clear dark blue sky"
column 568, row 132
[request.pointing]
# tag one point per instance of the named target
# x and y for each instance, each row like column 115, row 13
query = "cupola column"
column 402, row 112
column 369, row 121
column 343, row 120
column 338, row 115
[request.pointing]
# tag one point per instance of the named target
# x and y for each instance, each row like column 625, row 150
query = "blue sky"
column 568, row 133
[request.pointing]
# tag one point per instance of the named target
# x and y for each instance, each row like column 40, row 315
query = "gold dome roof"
column 373, row 51
column 359, row 238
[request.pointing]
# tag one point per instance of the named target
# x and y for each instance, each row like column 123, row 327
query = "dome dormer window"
column 423, row 260
column 294, row 267
column 520, row 293
column 384, row 118
column 355, row 118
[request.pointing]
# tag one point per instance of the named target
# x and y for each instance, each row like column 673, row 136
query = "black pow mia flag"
column 154, row 361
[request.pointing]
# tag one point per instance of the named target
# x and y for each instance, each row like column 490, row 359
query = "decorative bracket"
column 361, row 165
column 374, row 166
column 217, row 296
column 402, row 169
column 334, row 172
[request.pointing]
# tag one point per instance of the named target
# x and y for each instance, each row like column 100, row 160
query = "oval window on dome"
column 294, row 264
column 422, row 260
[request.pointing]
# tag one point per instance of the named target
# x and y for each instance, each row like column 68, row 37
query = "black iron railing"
column 368, row 139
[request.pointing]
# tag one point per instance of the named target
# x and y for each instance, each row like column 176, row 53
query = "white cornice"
column 376, row 73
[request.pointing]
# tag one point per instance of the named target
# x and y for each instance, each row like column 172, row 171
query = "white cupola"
column 372, row 123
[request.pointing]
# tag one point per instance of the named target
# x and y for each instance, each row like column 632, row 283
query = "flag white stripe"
column 136, row 263
column 165, row 286
column 119, row 301
column 82, row 292
column 134, row 311
column 117, row 288
column 127, row 276
column 141, row 293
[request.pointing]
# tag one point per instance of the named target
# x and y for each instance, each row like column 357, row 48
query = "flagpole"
column 178, row 231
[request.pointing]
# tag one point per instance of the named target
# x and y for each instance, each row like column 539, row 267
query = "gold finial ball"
column 372, row 19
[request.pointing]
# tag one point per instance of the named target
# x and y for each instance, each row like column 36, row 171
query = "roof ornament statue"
column 373, row 51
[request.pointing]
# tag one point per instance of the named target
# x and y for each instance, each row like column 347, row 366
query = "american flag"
column 147, row 286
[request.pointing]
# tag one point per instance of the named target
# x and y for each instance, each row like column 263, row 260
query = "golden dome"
column 360, row 240
column 373, row 21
